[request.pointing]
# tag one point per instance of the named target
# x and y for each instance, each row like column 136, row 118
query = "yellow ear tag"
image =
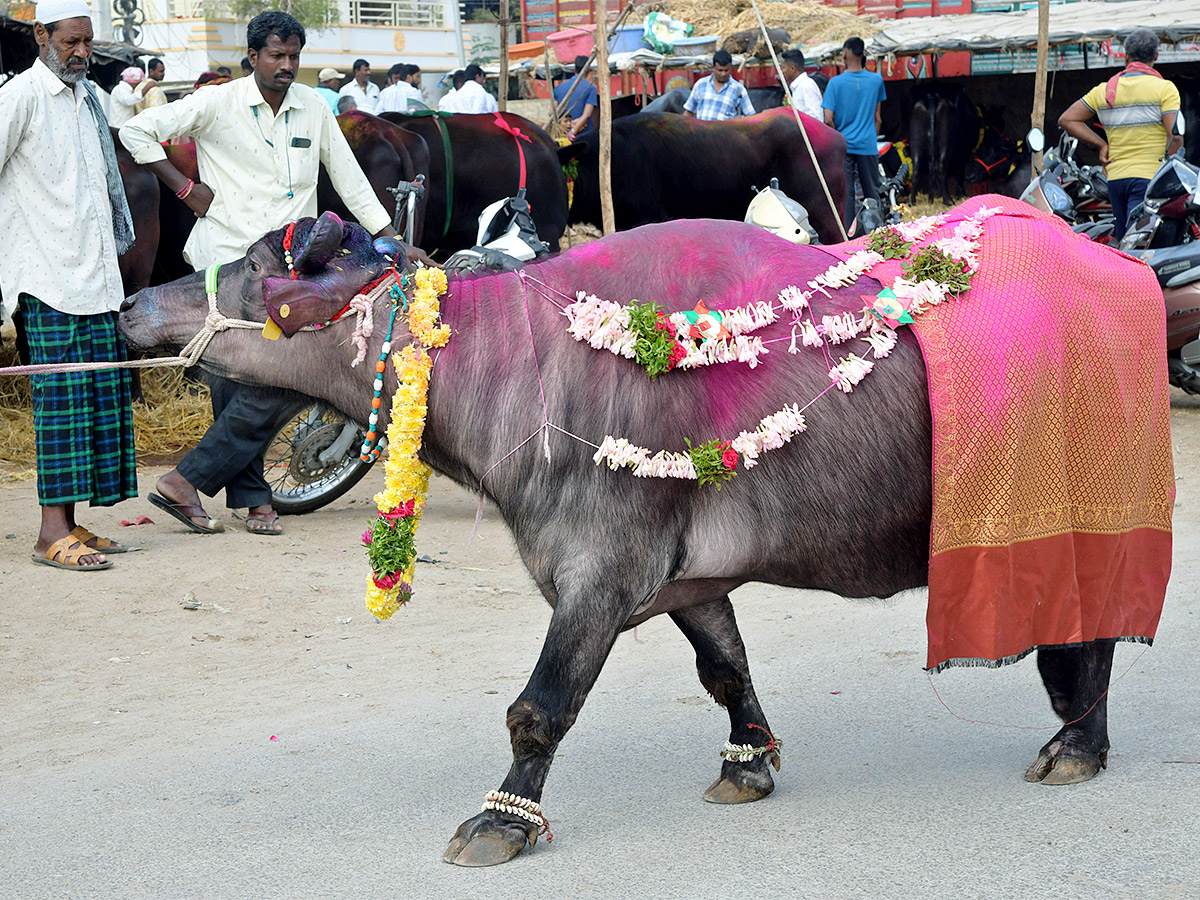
column 284, row 311
column 271, row 331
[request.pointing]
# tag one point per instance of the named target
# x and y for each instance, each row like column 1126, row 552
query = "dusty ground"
column 219, row 717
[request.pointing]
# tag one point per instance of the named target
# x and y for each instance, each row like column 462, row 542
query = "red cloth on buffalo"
column 1052, row 472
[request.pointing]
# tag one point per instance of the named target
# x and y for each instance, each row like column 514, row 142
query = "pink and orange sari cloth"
column 1052, row 474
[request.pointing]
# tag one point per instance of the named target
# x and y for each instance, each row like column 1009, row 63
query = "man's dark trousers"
column 862, row 169
column 230, row 455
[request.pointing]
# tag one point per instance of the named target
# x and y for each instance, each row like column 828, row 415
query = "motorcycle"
column 314, row 456
column 1076, row 193
column 1170, row 212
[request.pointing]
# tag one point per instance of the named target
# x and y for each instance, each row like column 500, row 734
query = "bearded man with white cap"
column 125, row 96
column 63, row 205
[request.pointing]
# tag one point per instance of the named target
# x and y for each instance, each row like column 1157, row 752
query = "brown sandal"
column 66, row 552
column 186, row 513
column 102, row 545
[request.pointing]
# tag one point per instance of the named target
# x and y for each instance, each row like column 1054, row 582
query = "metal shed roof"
column 1090, row 21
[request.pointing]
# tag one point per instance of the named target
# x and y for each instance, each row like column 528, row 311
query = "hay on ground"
column 173, row 415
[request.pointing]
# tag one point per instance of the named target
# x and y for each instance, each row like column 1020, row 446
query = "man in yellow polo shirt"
column 1137, row 108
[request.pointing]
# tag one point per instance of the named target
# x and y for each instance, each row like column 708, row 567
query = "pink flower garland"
column 600, row 323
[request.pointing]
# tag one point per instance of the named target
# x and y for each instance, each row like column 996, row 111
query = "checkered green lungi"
column 82, row 421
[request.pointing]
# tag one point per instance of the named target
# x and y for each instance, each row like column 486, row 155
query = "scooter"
column 314, row 457
column 507, row 239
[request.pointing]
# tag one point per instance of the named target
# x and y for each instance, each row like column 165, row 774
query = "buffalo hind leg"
column 724, row 672
column 1076, row 679
column 579, row 639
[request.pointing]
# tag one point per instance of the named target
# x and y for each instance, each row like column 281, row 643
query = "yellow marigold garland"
column 402, row 500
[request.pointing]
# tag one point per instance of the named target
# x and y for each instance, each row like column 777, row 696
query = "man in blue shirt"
column 585, row 101
column 719, row 95
column 327, row 86
column 851, row 105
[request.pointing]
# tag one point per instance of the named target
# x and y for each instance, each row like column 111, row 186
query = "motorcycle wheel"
column 300, row 479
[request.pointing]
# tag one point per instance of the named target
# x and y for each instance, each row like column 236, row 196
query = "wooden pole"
column 502, row 94
column 604, row 93
column 1039, row 84
column 552, row 125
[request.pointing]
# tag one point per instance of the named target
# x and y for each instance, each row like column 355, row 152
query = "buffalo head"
column 330, row 261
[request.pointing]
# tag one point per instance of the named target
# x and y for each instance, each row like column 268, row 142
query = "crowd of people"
column 258, row 142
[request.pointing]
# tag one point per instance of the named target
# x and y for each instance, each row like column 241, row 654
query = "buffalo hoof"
column 1058, row 764
column 743, row 782
column 489, row 839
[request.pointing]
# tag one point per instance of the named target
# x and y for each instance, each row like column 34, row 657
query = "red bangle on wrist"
column 185, row 190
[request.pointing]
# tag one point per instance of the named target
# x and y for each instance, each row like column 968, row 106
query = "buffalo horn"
column 323, row 241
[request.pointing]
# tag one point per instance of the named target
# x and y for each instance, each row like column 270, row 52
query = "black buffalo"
column 670, row 167
column 944, row 131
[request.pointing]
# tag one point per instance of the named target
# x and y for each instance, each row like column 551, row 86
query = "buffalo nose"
column 127, row 303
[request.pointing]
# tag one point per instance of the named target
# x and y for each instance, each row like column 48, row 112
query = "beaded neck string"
column 373, row 443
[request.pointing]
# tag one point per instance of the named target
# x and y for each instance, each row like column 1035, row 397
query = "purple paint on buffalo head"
column 328, row 262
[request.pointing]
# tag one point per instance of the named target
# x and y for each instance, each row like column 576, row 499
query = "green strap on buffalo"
column 447, row 152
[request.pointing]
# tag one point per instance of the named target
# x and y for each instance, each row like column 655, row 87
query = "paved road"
column 392, row 740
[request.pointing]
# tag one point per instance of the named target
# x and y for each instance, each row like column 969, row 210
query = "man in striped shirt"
column 1137, row 108
column 719, row 96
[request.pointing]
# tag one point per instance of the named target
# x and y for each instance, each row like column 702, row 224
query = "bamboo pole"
column 1039, row 83
column 812, row 154
column 502, row 98
column 604, row 97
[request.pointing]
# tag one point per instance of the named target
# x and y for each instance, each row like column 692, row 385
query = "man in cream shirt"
column 259, row 142
column 63, row 206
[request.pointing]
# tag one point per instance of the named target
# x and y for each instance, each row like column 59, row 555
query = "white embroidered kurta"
column 54, row 205
column 365, row 100
column 252, row 160
column 472, row 98
column 123, row 100
column 394, row 98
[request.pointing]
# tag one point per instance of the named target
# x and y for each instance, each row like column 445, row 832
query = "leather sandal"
column 102, row 545
column 185, row 513
column 66, row 552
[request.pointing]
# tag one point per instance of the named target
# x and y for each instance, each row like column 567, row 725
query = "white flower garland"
column 604, row 325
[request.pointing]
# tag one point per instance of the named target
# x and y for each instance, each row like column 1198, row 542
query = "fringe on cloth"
column 981, row 663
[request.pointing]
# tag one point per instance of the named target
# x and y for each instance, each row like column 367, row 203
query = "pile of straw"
column 173, row 415
column 806, row 21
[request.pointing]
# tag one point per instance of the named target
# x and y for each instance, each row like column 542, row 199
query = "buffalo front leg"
column 725, row 673
column 1077, row 680
column 579, row 639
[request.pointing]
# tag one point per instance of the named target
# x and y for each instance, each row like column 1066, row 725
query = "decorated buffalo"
column 475, row 160
column 1009, row 448
column 688, row 169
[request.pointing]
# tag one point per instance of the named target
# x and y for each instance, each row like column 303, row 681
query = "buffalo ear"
column 324, row 240
column 570, row 151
